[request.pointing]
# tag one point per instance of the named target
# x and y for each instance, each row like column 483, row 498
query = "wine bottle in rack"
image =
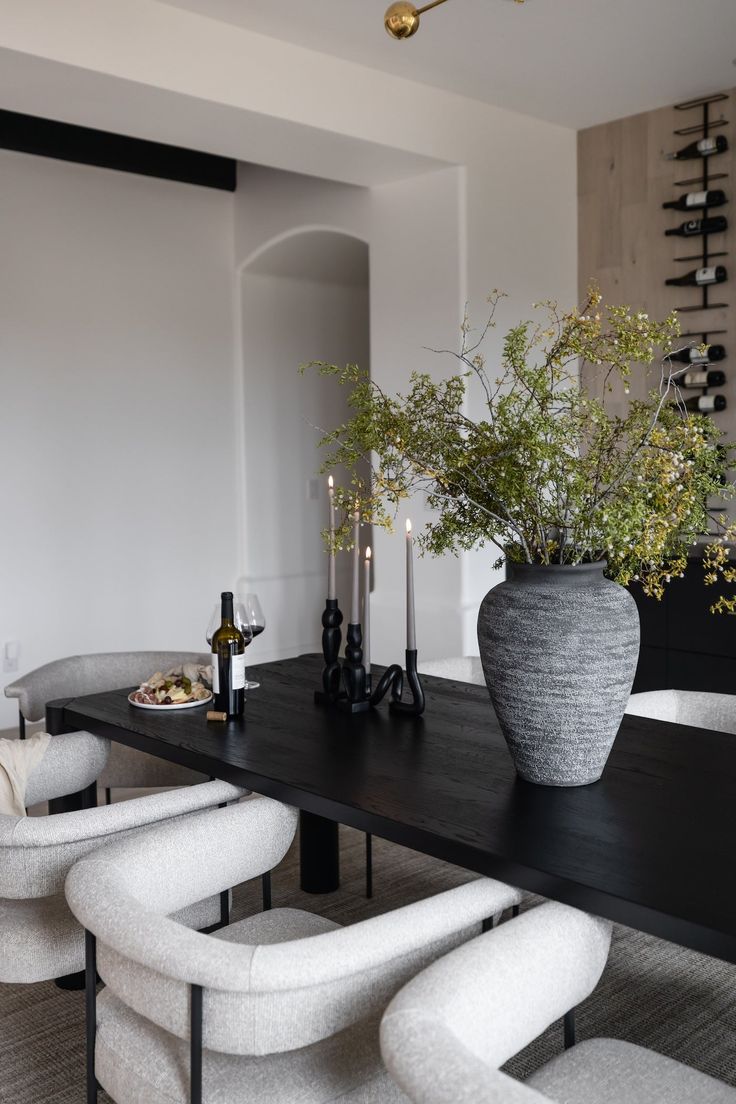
column 706, row 147
column 704, row 404
column 714, row 378
column 693, row 227
column 693, row 201
column 694, row 356
column 700, row 277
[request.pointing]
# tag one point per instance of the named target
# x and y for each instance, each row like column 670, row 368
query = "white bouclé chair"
column 696, row 708
column 445, row 1036
column 39, row 937
column 76, row 676
column 282, row 1006
column 459, row 668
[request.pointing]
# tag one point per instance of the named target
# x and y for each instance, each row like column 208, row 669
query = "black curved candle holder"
column 415, row 707
column 392, row 679
column 353, row 673
column 331, row 638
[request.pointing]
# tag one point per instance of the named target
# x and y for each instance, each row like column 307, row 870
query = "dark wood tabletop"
column 651, row 845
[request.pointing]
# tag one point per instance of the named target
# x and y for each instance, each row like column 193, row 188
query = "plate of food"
column 184, row 687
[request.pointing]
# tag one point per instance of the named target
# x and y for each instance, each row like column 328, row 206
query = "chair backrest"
column 75, row 676
column 36, row 853
column 258, row 999
column 447, row 1033
column 459, row 668
column 695, row 708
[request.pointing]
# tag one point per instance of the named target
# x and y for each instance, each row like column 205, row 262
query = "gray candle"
column 411, row 631
column 331, row 590
column 367, row 611
column 355, row 610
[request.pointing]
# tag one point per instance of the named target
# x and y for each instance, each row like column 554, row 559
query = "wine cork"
column 215, row 715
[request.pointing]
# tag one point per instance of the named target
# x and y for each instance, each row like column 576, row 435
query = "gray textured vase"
column 559, row 647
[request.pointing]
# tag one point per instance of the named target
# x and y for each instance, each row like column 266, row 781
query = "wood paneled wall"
column 623, row 179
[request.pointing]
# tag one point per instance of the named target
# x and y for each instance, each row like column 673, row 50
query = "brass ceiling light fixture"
column 402, row 18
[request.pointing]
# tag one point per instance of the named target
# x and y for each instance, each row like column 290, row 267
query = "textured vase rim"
column 597, row 567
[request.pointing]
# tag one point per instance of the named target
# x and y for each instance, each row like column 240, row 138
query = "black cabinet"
column 683, row 645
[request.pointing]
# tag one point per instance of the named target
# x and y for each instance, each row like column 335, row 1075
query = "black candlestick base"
column 415, row 707
column 331, row 637
column 353, row 673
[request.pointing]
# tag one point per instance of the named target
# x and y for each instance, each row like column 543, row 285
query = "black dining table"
column 651, row 845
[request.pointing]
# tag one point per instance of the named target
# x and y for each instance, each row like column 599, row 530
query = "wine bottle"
column 692, row 201
column 699, row 226
column 693, row 356
column 228, row 662
column 703, row 379
column 704, row 404
column 704, row 148
column 700, row 277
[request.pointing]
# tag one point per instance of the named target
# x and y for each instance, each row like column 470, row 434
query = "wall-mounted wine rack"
column 703, row 132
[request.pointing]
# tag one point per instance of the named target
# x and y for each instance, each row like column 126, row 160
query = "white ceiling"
column 574, row 62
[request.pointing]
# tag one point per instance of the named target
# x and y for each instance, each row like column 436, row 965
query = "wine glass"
column 250, row 611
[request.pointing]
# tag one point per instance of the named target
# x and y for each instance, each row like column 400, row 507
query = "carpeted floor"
column 652, row 993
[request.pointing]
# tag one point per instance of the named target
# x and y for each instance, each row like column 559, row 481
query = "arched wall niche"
column 303, row 295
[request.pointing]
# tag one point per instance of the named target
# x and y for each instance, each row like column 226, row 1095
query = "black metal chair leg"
column 108, row 795
column 195, row 1045
column 21, row 725
column 90, row 1008
column 368, row 865
column 569, row 1029
column 487, row 924
column 266, row 883
column 224, row 908
column 515, row 910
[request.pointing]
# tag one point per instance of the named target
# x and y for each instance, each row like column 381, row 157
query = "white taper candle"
column 331, row 589
column 411, row 631
column 367, row 611
column 355, row 609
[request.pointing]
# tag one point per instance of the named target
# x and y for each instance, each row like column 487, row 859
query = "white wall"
column 286, row 322
column 502, row 215
column 117, row 420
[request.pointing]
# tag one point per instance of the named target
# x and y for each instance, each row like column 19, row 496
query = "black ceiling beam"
column 66, row 142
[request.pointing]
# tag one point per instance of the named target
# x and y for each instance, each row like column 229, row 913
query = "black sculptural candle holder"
column 355, row 699
column 348, row 685
column 331, row 638
column 415, row 707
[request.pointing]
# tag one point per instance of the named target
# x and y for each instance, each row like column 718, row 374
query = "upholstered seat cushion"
column 608, row 1071
column 139, row 1063
column 130, row 769
column 40, row 940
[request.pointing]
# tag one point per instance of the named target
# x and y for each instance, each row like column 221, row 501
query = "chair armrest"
column 100, row 823
column 493, row 996
column 171, row 866
column 73, row 760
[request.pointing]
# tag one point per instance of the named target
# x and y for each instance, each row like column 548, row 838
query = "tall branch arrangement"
column 546, row 473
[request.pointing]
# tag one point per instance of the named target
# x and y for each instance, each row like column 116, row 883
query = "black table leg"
column 319, row 854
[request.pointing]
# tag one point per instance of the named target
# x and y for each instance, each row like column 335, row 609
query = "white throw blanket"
column 17, row 759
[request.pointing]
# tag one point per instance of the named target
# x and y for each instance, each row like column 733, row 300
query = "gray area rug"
column 652, row 993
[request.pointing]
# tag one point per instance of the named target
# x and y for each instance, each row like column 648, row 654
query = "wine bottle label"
column 706, row 145
column 692, row 226
column 698, row 358
column 237, row 671
column 706, row 275
column 696, row 199
column 707, row 402
column 696, row 379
